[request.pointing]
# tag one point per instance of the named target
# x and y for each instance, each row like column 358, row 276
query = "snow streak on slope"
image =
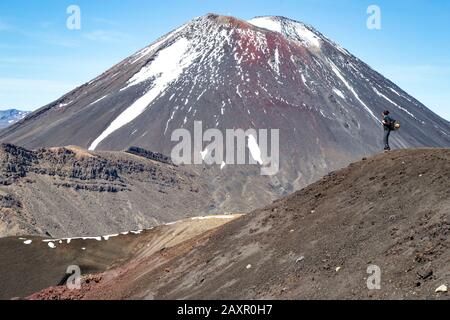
column 339, row 93
column 166, row 68
column 98, row 100
column 144, row 52
column 276, row 63
column 349, row 87
column 392, row 102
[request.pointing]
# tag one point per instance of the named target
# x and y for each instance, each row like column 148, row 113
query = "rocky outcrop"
column 150, row 155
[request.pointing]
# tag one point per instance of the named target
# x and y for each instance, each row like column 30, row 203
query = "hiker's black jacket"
column 387, row 121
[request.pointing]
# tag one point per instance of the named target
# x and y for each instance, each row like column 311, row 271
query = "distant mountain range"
column 11, row 116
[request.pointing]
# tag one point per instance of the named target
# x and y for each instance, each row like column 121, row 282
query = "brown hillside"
column 391, row 210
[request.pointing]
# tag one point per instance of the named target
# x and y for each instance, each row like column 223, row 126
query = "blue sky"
column 40, row 59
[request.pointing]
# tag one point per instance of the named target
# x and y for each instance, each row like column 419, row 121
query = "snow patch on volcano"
column 275, row 64
column 349, row 87
column 165, row 69
column 144, row 52
column 293, row 30
column 267, row 23
column 339, row 93
column 255, row 151
column 214, row 217
column 300, row 31
column 167, row 66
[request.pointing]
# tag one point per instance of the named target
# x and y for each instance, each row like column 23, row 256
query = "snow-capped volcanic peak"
column 293, row 30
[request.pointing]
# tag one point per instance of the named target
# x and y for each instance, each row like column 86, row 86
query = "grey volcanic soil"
column 391, row 210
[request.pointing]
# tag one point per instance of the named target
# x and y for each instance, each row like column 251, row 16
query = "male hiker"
column 388, row 127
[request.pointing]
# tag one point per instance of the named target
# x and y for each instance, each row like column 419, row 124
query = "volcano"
column 266, row 73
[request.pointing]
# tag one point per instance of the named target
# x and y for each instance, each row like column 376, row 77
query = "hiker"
column 387, row 124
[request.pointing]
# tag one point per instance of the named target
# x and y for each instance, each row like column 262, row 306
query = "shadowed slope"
column 30, row 264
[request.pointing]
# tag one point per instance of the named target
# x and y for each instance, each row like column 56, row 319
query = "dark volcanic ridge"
column 69, row 191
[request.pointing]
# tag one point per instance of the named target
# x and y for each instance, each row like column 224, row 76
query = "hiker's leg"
column 387, row 133
column 386, row 139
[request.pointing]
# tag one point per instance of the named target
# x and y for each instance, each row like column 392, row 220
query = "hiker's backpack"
column 394, row 125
